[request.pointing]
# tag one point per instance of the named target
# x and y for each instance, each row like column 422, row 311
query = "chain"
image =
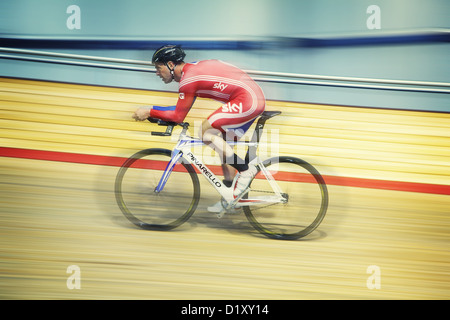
column 253, row 207
column 263, row 191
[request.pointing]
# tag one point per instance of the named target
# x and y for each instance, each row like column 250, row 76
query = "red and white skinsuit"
column 243, row 100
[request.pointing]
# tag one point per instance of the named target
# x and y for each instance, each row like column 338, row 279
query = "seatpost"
column 251, row 151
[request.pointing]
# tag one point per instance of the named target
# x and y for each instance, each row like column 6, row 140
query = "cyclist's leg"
column 233, row 120
column 208, row 135
column 228, row 174
column 230, row 122
column 213, row 137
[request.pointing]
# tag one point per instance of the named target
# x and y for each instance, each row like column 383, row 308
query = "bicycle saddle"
column 269, row 114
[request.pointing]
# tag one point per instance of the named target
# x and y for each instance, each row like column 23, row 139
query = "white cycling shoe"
column 241, row 184
column 244, row 179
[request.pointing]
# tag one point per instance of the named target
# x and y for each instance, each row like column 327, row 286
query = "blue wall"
column 290, row 36
column 206, row 18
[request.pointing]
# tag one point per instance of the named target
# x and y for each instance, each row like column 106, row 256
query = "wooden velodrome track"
column 387, row 174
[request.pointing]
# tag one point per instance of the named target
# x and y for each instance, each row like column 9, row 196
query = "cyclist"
column 242, row 101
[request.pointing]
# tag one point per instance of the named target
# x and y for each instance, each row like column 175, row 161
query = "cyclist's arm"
column 174, row 113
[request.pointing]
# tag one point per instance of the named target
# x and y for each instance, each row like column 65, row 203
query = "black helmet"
column 168, row 53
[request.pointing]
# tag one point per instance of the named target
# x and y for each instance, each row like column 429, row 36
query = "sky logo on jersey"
column 220, row 86
column 232, row 107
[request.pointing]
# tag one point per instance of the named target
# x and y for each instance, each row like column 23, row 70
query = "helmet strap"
column 171, row 70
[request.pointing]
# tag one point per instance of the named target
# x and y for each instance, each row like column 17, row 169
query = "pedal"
column 221, row 213
column 231, row 205
column 229, row 211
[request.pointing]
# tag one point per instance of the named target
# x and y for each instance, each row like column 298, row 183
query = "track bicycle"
column 159, row 189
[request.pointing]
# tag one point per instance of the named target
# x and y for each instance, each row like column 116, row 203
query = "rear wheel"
column 135, row 193
column 305, row 199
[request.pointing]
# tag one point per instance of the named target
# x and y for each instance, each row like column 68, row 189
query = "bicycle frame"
column 183, row 150
column 148, row 212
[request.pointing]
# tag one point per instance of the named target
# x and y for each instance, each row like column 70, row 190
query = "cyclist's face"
column 163, row 72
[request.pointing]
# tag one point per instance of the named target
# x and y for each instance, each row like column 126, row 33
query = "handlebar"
column 170, row 125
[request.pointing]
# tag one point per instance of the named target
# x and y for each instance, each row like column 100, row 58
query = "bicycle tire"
column 300, row 173
column 144, row 210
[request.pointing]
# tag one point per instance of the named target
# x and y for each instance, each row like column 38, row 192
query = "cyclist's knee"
column 208, row 133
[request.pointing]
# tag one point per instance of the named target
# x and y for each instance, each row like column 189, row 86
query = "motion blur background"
column 329, row 38
column 364, row 93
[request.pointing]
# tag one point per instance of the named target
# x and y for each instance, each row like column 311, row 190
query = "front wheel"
column 305, row 198
column 136, row 197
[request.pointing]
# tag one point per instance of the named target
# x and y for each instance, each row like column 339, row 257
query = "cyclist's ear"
column 171, row 65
